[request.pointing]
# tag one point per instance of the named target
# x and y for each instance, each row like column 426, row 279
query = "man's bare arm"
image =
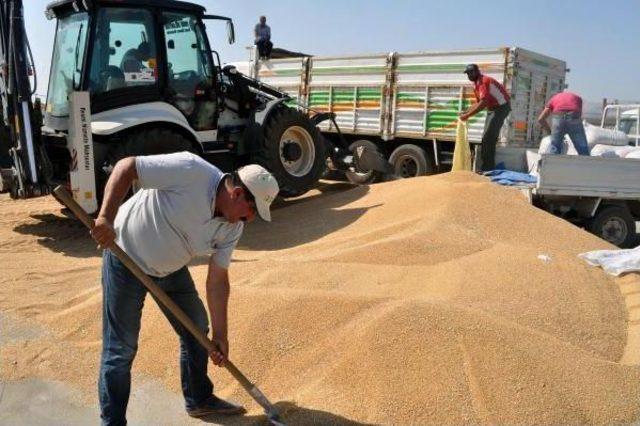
column 542, row 119
column 479, row 106
column 122, row 176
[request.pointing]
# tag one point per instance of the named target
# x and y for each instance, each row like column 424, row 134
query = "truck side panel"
column 431, row 89
column 289, row 75
column 353, row 89
column 589, row 176
column 533, row 80
column 419, row 95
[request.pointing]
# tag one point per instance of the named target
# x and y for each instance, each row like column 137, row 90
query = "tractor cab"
column 133, row 52
column 146, row 72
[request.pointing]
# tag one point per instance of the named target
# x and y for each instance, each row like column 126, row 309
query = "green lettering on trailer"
column 445, row 115
column 349, row 70
column 431, row 68
column 344, row 96
column 279, row 73
column 541, row 63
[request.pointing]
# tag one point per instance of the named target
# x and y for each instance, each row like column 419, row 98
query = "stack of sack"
column 601, row 142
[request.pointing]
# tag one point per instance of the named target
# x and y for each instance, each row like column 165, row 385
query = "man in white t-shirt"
column 185, row 208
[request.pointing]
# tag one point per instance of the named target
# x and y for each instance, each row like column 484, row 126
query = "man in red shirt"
column 565, row 109
column 494, row 97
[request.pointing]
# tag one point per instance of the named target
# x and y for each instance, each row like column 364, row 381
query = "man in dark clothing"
column 133, row 60
column 262, row 34
column 492, row 95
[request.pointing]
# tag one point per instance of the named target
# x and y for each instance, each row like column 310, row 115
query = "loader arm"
column 28, row 174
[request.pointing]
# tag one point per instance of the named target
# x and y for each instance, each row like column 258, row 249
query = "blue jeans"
column 573, row 127
column 123, row 298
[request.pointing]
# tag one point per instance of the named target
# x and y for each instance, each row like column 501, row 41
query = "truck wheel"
column 293, row 151
column 361, row 177
column 141, row 142
column 410, row 160
column 615, row 225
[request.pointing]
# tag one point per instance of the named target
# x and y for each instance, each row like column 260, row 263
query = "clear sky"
column 599, row 40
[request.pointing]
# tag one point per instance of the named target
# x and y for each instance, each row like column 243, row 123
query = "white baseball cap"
column 263, row 187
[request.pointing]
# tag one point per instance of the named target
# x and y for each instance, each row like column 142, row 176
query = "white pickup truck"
column 601, row 193
column 627, row 120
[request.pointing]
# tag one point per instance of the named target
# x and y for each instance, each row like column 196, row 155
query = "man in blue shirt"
column 262, row 34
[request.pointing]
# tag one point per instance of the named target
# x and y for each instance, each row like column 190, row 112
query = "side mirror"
column 171, row 44
column 231, row 33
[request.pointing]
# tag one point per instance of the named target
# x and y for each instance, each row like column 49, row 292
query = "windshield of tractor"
column 124, row 53
column 186, row 49
column 190, row 70
column 66, row 65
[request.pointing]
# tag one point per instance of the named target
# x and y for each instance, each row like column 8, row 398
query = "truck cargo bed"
column 611, row 178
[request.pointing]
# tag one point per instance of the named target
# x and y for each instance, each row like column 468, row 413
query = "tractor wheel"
column 152, row 142
column 140, row 142
column 293, row 151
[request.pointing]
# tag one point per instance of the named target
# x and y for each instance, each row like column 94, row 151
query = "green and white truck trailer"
column 406, row 104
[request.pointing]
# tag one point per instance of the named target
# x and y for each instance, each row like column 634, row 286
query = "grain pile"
column 434, row 300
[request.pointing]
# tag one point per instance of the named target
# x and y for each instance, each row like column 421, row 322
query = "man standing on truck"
column 492, row 95
column 262, row 34
column 565, row 109
column 185, row 208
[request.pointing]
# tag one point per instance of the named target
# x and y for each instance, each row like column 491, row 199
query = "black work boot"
column 215, row 406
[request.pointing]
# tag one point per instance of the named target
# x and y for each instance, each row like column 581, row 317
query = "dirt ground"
column 436, row 300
